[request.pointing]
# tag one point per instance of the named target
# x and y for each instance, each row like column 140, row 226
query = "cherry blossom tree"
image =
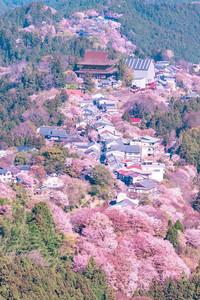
column 61, row 218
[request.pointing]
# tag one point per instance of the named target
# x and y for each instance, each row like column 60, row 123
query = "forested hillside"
column 10, row 4
column 168, row 26
column 150, row 25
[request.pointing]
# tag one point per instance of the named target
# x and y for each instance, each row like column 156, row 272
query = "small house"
column 135, row 121
column 6, row 176
column 149, row 145
column 146, row 186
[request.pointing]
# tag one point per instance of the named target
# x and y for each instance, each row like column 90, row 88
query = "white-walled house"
column 127, row 152
column 6, row 176
column 157, row 170
column 142, row 68
column 149, row 145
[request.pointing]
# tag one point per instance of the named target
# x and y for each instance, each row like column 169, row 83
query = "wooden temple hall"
column 97, row 64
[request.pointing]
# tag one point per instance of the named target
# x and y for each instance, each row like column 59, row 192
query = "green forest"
column 171, row 289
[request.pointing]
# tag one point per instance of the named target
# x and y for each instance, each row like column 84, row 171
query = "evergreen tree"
column 88, row 83
column 179, row 226
column 172, row 234
column 155, row 290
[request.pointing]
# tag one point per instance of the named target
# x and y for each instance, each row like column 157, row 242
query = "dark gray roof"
column 59, row 133
column 74, row 138
column 3, row 171
column 99, row 123
column 147, row 184
column 24, row 168
column 24, row 149
column 131, row 148
column 92, row 150
column 14, row 170
column 138, row 64
column 46, row 130
column 108, row 105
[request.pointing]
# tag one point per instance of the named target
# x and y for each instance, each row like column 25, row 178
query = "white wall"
column 139, row 82
column 149, row 74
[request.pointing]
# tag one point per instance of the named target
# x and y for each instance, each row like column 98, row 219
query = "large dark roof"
column 109, row 70
column 59, row 133
column 46, row 130
column 138, row 64
column 96, row 58
column 53, row 132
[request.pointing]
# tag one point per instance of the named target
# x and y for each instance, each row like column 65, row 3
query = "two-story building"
column 146, row 187
column 148, row 144
column 157, row 170
column 97, row 64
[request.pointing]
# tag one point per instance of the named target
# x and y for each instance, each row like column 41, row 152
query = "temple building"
column 97, row 64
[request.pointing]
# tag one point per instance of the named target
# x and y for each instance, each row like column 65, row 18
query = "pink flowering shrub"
column 124, row 244
column 193, row 237
column 6, row 191
column 61, row 218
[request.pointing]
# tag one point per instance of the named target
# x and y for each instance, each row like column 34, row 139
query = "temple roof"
column 96, row 58
column 109, row 70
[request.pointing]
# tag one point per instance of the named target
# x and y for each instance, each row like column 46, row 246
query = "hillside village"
column 95, row 150
column 136, row 160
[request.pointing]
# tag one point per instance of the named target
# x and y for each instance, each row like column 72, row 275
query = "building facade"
column 97, row 64
column 142, row 69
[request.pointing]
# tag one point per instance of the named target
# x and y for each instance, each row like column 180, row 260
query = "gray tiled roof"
column 3, row 171
column 46, row 130
column 125, row 148
column 59, row 133
column 148, row 184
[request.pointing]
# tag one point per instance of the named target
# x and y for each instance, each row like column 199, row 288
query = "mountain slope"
column 149, row 25
column 156, row 25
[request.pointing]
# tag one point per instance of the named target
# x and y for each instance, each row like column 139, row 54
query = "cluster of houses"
column 165, row 75
column 132, row 161
column 12, row 174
